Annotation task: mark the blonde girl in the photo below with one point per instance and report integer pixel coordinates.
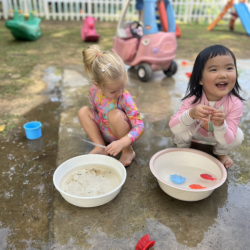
(113, 117)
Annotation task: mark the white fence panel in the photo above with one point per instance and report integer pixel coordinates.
(3, 10)
(110, 10)
(181, 8)
(201, 10)
(24, 6)
(104, 10)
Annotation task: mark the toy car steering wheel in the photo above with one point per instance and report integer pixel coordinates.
(136, 29)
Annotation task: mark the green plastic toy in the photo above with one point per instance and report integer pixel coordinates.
(24, 30)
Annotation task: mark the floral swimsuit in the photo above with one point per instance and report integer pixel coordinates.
(101, 107)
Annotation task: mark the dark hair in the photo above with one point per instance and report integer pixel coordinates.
(194, 88)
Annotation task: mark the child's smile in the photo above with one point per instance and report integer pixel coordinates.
(219, 77)
(221, 85)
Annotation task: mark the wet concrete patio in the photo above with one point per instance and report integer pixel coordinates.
(35, 216)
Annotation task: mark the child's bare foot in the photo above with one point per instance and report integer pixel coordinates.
(225, 160)
(127, 156)
(99, 151)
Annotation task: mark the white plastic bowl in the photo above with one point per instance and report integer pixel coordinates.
(180, 158)
(86, 160)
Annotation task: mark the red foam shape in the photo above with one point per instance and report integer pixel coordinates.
(144, 243)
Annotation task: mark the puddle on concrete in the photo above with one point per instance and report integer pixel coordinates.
(53, 77)
(197, 224)
(27, 167)
(217, 222)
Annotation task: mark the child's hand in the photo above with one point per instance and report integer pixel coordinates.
(114, 147)
(201, 112)
(218, 117)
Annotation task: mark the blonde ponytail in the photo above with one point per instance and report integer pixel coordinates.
(104, 67)
(89, 56)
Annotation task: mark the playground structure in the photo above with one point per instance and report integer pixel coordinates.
(147, 45)
(162, 19)
(241, 11)
(24, 30)
(88, 31)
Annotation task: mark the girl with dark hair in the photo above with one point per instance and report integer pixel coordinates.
(212, 107)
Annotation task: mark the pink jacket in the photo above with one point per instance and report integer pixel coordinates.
(225, 134)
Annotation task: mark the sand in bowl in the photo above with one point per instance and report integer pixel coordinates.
(90, 180)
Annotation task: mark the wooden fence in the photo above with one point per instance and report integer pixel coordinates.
(110, 10)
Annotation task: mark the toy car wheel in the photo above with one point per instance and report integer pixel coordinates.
(144, 72)
(172, 69)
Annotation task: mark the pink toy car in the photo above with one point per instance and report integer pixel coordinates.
(88, 31)
(145, 47)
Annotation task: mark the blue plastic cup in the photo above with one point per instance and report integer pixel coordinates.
(33, 130)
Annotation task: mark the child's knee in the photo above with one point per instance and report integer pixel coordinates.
(182, 140)
(239, 138)
(115, 116)
(84, 111)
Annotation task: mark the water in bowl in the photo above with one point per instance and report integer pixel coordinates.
(192, 175)
(90, 180)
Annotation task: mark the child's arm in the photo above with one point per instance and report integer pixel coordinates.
(226, 133)
(187, 115)
(129, 106)
(92, 93)
(181, 121)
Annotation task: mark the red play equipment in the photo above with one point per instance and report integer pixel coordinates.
(164, 18)
(178, 31)
(240, 11)
(88, 31)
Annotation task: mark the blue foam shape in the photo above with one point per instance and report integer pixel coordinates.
(177, 179)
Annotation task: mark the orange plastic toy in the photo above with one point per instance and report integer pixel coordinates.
(228, 6)
(234, 15)
(184, 63)
(164, 19)
(178, 31)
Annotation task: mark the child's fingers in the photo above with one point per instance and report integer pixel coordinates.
(112, 153)
(217, 120)
(202, 115)
(115, 153)
(204, 119)
(218, 112)
(217, 116)
(208, 108)
(205, 112)
(109, 149)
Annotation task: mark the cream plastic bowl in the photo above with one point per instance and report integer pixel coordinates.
(78, 161)
(178, 161)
